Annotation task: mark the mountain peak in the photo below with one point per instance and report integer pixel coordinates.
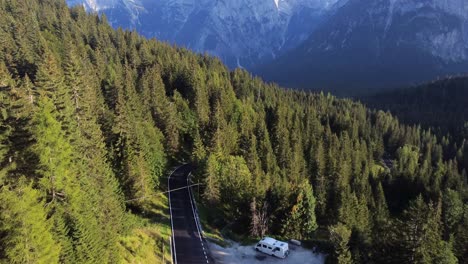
(277, 3)
(94, 5)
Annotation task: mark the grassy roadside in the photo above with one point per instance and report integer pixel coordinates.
(217, 231)
(213, 227)
(148, 241)
(210, 232)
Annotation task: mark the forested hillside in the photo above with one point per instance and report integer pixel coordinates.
(91, 117)
(441, 104)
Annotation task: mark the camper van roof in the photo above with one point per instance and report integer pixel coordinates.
(269, 240)
(274, 242)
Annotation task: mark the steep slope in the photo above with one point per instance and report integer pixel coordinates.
(378, 44)
(241, 33)
(440, 104)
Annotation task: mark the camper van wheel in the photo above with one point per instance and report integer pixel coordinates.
(257, 249)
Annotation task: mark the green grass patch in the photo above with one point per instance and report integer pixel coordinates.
(148, 239)
(217, 230)
(210, 231)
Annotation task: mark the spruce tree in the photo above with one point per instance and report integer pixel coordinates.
(340, 235)
(301, 221)
(212, 183)
(26, 231)
(53, 151)
(461, 236)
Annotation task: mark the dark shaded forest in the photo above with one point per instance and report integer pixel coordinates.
(440, 105)
(91, 118)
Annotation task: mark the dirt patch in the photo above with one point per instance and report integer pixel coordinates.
(236, 254)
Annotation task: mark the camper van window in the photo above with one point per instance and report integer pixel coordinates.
(259, 245)
(277, 249)
(264, 246)
(269, 248)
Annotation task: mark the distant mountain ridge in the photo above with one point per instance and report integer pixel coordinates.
(379, 44)
(242, 32)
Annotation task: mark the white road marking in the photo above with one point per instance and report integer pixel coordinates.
(170, 211)
(195, 217)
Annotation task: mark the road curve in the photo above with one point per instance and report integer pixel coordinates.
(188, 245)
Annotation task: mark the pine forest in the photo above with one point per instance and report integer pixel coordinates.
(92, 119)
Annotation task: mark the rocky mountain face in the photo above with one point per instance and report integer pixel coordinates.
(379, 44)
(241, 32)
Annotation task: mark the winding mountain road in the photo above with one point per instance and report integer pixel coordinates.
(188, 244)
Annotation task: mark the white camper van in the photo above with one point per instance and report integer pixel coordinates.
(273, 247)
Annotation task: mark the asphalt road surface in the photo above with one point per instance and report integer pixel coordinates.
(188, 245)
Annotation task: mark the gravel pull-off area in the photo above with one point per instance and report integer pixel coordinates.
(237, 254)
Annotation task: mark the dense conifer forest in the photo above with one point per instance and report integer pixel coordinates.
(92, 118)
(440, 105)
